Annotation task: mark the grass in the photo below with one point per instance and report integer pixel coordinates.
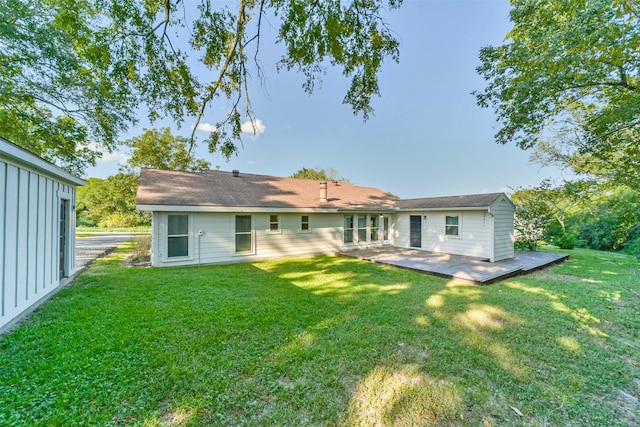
(329, 341)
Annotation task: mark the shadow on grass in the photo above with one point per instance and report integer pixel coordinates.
(306, 342)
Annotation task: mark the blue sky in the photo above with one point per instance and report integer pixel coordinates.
(427, 136)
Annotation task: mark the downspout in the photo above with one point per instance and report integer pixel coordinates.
(492, 237)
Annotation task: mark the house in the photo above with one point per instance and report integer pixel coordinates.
(479, 225)
(37, 225)
(222, 217)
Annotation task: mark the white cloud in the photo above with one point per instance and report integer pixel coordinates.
(114, 157)
(256, 128)
(107, 165)
(206, 127)
(108, 158)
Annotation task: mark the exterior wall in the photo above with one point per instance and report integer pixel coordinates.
(30, 236)
(216, 243)
(474, 228)
(503, 213)
(211, 236)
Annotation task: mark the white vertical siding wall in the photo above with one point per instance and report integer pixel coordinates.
(474, 239)
(216, 244)
(503, 212)
(29, 237)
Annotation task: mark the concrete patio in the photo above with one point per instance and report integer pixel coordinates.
(460, 268)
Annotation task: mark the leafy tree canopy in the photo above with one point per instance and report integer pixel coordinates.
(159, 149)
(110, 202)
(73, 73)
(567, 76)
(319, 174)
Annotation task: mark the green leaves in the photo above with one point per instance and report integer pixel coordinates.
(74, 73)
(565, 59)
(159, 149)
(58, 97)
(353, 36)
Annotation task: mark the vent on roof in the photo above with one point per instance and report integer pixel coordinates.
(323, 191)
(235, 172)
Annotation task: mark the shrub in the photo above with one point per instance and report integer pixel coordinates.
(565, 241)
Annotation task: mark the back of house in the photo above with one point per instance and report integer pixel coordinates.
(222, 217)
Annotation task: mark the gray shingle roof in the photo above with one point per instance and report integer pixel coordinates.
(468, 201)
(222, 189)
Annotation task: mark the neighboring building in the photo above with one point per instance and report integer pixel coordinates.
(37, 230)
(222, 217)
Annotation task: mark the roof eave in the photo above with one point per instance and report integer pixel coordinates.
(445, 208)
(26, 158)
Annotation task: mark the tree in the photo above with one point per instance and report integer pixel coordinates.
(532, 217)
(567, 76)
(110, 202)
(319, 174)
(609, 220)
(73, 73)
(61, 95)
(160, 149)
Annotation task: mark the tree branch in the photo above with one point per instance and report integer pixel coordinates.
(231, 53)
(165, 21)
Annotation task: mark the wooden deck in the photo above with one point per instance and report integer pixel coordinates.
(460, 268)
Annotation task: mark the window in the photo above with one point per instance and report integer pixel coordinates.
(348, 229)
(304, 223)
(362, 228)
(244, 240)
(177, 236)
(274, 223)
(375, 221)
(452, 227)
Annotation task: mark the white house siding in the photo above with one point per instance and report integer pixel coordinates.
(216, 244)
(474, 239)
(29, 234)
(503, 212)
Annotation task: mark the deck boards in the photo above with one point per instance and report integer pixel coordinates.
(461, 268)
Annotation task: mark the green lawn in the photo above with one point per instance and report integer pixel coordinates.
(329, 341)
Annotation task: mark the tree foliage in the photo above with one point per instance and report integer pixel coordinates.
(532, 217)
(110, 202)
(73, 73)
(59, 89)
(159, 149)
(319, 174)
(579, 214)
(567, 76)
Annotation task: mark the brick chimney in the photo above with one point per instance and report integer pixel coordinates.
(323, 191)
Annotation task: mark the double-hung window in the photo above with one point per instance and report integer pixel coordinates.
(348, 229)
(244, 237)
(177, 236)
(362, 228)
(274, 223)
(304, 223)
(452, 226)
